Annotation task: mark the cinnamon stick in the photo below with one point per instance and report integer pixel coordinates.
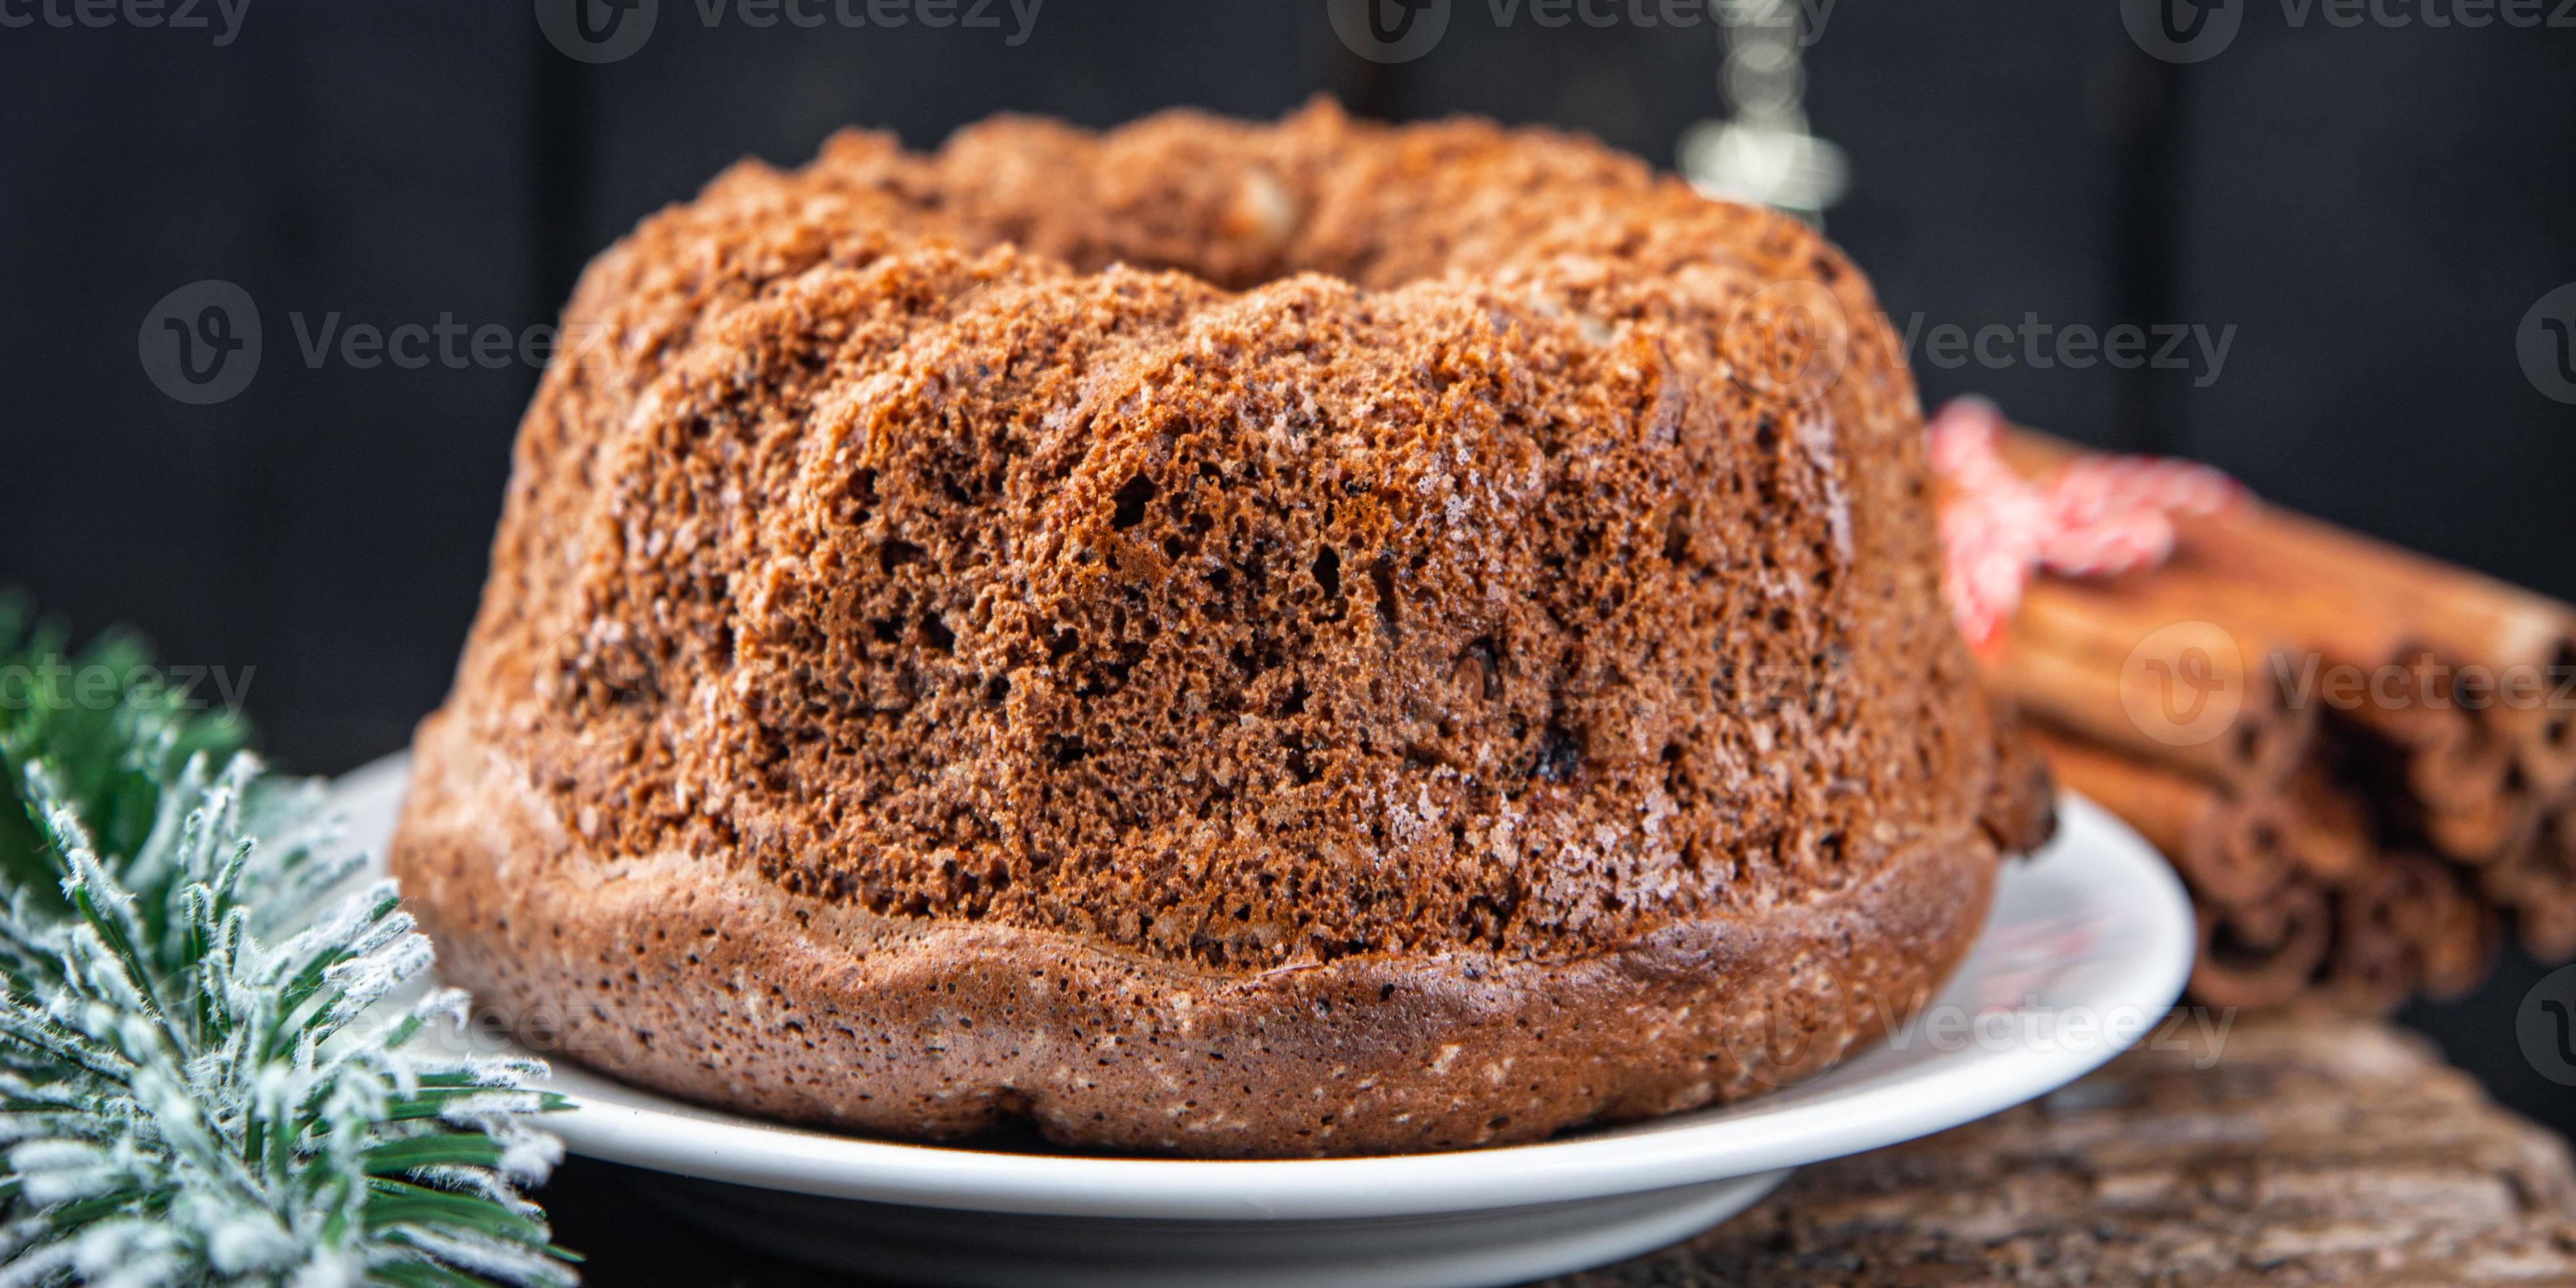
(2264, 954)
(2374, 966)
(2461, 935)
(2325, 826)
(2164, 681)
(2227, 853)
(2361, 603)
(2454, 758)
(2360, 760)
(2408, 923)
(2290, 888)
(2538, 885)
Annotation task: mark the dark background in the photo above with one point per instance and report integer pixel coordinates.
(2374, 209)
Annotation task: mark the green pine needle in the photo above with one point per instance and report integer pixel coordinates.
(201, 1080)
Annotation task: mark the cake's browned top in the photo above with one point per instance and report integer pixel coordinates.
(1503, 566)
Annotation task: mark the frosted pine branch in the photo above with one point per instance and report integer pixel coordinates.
(199, 1083)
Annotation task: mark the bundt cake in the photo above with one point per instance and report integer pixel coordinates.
(1214, 639)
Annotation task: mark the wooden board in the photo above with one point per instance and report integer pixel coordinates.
(2302, 1151)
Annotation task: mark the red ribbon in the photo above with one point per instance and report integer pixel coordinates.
(2093, 517)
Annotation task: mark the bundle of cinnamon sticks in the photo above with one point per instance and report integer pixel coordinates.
(2362, 761)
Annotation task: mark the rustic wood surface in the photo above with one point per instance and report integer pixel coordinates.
(2311, 1151)
(2300, 1150)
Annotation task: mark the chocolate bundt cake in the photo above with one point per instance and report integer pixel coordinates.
(1214, 639)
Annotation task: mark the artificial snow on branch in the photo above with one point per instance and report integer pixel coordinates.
(201, 1080)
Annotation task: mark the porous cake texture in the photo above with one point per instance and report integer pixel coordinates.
(1215, 639)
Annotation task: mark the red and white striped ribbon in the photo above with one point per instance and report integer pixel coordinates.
(2096, 516)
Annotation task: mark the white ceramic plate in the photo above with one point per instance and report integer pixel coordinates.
(2086, 949)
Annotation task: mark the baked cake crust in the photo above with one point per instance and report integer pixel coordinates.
(1462, 660)
(673, 972)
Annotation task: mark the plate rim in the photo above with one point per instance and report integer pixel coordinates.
(666, 1134)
